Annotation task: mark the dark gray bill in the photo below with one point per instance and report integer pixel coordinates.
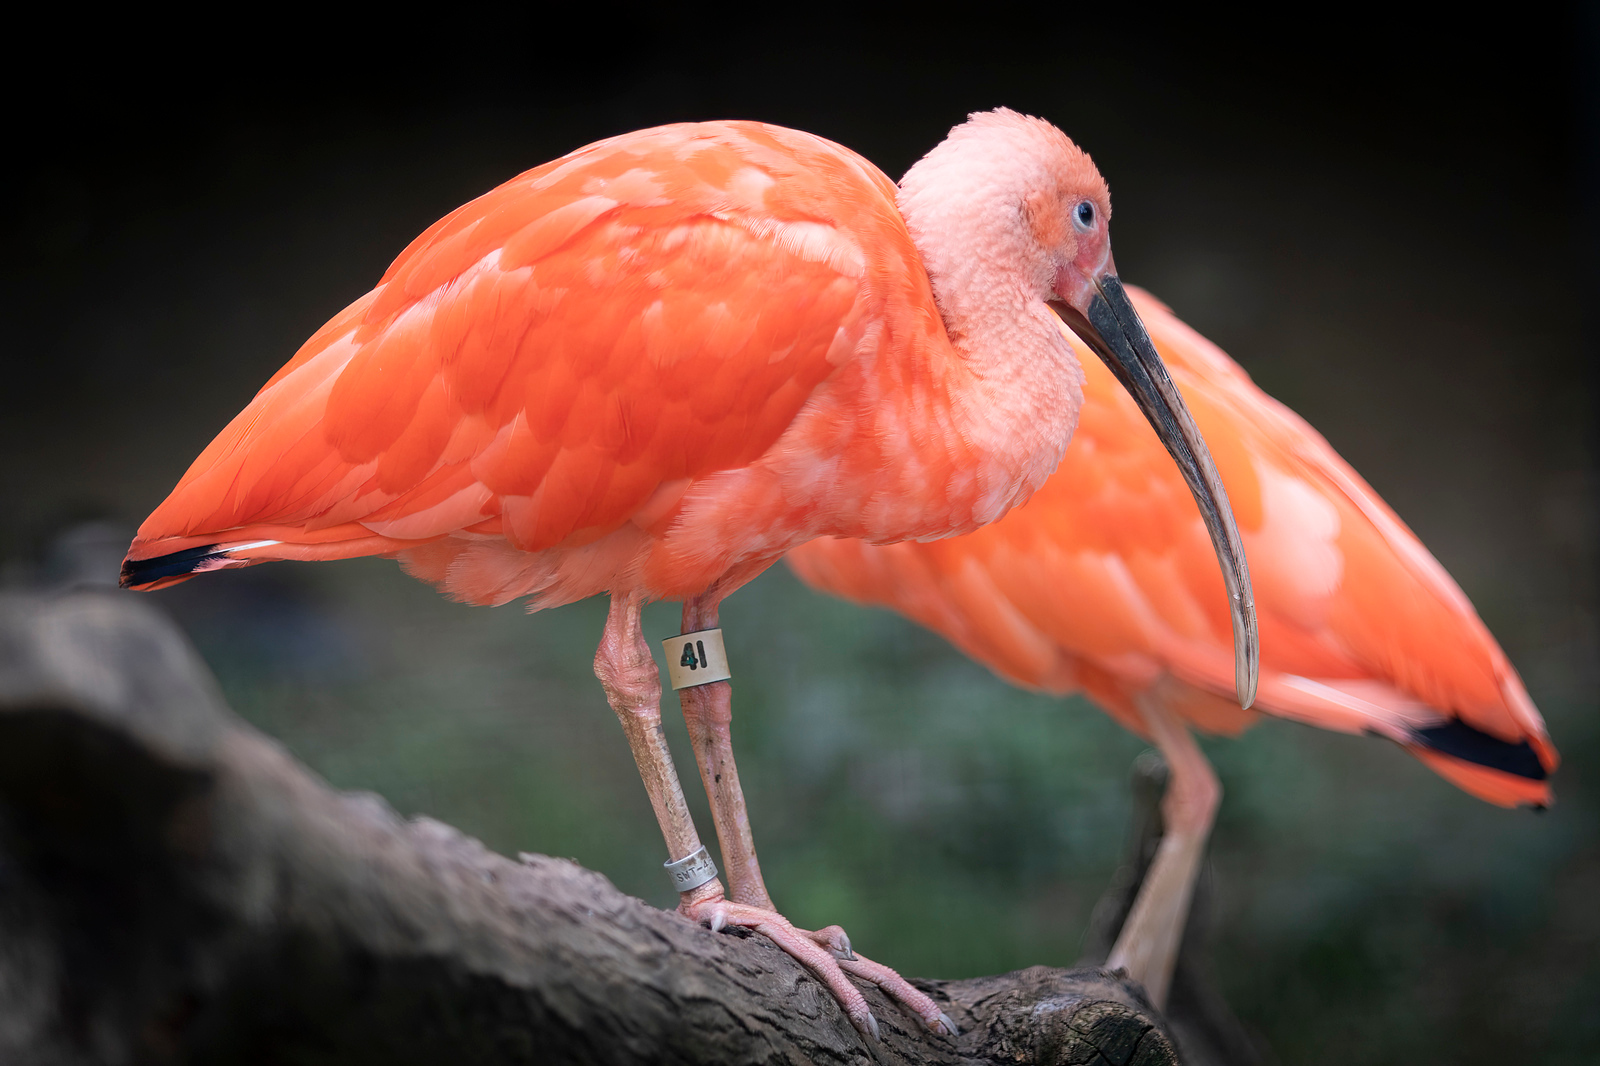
(1114, 331)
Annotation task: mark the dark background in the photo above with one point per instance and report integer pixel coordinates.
(1389, 220)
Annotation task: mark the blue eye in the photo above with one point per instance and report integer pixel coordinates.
(1084, 215)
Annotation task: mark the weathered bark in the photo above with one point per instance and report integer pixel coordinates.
(175, 888)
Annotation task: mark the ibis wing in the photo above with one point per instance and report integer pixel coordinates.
(1345, 571)
(540, 361)
(1105, 580)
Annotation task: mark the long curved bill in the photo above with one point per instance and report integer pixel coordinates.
(1113, 329)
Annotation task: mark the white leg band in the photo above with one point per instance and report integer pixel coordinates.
(691, 871)
(696, 658)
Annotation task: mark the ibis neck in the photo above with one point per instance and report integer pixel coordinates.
(1023, 382)
(1026, 390)
(1024, 377)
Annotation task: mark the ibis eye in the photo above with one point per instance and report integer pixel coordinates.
(1084, 216)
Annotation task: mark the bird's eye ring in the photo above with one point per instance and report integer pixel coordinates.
(1083, 217)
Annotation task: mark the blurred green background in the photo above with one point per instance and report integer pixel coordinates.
(1393, 232)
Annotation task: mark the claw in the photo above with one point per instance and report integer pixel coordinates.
(828, 954)
(949, 1026)
(837, 941)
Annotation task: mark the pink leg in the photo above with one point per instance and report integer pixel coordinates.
(1147, 946)
(627, 671)
(708, 712)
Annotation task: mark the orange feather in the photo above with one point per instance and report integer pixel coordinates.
(1106, 582)
(600, 375)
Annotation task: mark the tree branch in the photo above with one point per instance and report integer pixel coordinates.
(174, 887)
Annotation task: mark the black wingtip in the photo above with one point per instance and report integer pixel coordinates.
(1460, 740)
(140, 572)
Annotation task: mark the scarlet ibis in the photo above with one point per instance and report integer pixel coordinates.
(653, 366)
(1102, 583)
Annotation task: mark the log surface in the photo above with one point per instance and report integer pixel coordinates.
(174, 887)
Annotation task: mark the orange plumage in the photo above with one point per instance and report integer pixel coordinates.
(601, 375)
(1105, 582)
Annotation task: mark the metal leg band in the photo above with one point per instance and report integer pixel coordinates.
(691, 871)
(696, 658)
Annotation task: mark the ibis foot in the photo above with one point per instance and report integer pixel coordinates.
(827, 953)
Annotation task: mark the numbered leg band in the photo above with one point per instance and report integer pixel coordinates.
(691, 871)
(696, 658)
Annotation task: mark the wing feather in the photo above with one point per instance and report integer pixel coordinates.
(542, 360)
(1361, 628)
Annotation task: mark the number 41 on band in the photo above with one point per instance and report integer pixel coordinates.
(696, 658)
(689, 659)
